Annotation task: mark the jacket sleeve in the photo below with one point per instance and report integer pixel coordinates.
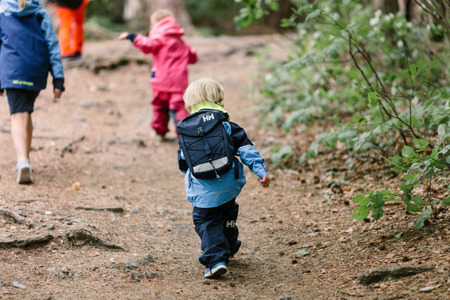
(248, 153)
(146, 44)
(192, 56)
(53, 49)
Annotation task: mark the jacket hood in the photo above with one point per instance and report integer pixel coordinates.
(11, 7)
(167, 26)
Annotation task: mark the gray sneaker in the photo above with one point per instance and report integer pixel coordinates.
(24, 172)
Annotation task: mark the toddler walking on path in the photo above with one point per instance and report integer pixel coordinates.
(169, 75)
(214, 199)
(29, 49)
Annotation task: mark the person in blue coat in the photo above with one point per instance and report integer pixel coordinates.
(29, 50)
(214, 201)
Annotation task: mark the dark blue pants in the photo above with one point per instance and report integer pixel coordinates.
(217, 229)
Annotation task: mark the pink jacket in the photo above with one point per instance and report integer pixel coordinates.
(170, 55)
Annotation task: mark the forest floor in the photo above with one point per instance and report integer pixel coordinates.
(93, 149)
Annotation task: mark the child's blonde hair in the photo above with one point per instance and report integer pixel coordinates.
(159, 14)
(203, 90)
(22, 3)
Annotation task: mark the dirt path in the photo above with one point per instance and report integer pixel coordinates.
(93, 149)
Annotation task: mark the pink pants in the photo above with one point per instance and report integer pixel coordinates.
(163, 105)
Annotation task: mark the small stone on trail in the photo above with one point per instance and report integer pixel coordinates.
(152, 275)
(137, 276)
(207, 282)
(294, 261)
(232, 284)
(19, 285)
(93, 268)
(149, 258)
(284, 298)
(428, 289)
(131, 264)
(291, 243)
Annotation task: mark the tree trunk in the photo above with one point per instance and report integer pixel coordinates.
(386, 6)
(137, 12)
(176, 6)
(135, 15)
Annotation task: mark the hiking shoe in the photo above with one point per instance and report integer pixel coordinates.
(216, 271)
(24, 172)
(75, 56)
(208, 273)
(159, 138)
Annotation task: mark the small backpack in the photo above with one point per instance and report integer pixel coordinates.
(207, 147)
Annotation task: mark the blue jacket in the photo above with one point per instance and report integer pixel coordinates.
(207, 193)
(29, 47)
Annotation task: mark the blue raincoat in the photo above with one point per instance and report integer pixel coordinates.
(207, 193)
(29, 47)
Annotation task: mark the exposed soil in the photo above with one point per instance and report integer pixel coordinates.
(93, 149)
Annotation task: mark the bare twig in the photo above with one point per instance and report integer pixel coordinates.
(112, 209)
(69, 147)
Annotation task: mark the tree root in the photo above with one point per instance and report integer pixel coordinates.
(30, 243)
(392, 273)
(83, 235)
(13, 215)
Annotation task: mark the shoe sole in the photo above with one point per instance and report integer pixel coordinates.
(24, 175)
(218, 272)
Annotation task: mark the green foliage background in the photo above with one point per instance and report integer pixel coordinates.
(381, 80)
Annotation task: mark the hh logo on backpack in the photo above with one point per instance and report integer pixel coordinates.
(207, 147)
(207, 118)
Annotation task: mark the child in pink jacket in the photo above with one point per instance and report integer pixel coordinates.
(169, 77)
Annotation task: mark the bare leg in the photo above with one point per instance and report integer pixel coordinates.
(21, 132)
(29, 135)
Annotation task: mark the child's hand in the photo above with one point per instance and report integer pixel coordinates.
(57, 94)
(123, 36)
(265, 181)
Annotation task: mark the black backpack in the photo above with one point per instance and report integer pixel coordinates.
(207, 147)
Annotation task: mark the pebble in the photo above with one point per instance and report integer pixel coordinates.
(207, 282)
(19, 285)
(151, 275)
(149, 258)
(131, 264)
(135, 275)
(93, 268)
(428, 289)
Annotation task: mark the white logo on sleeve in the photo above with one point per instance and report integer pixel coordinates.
(230, 223)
